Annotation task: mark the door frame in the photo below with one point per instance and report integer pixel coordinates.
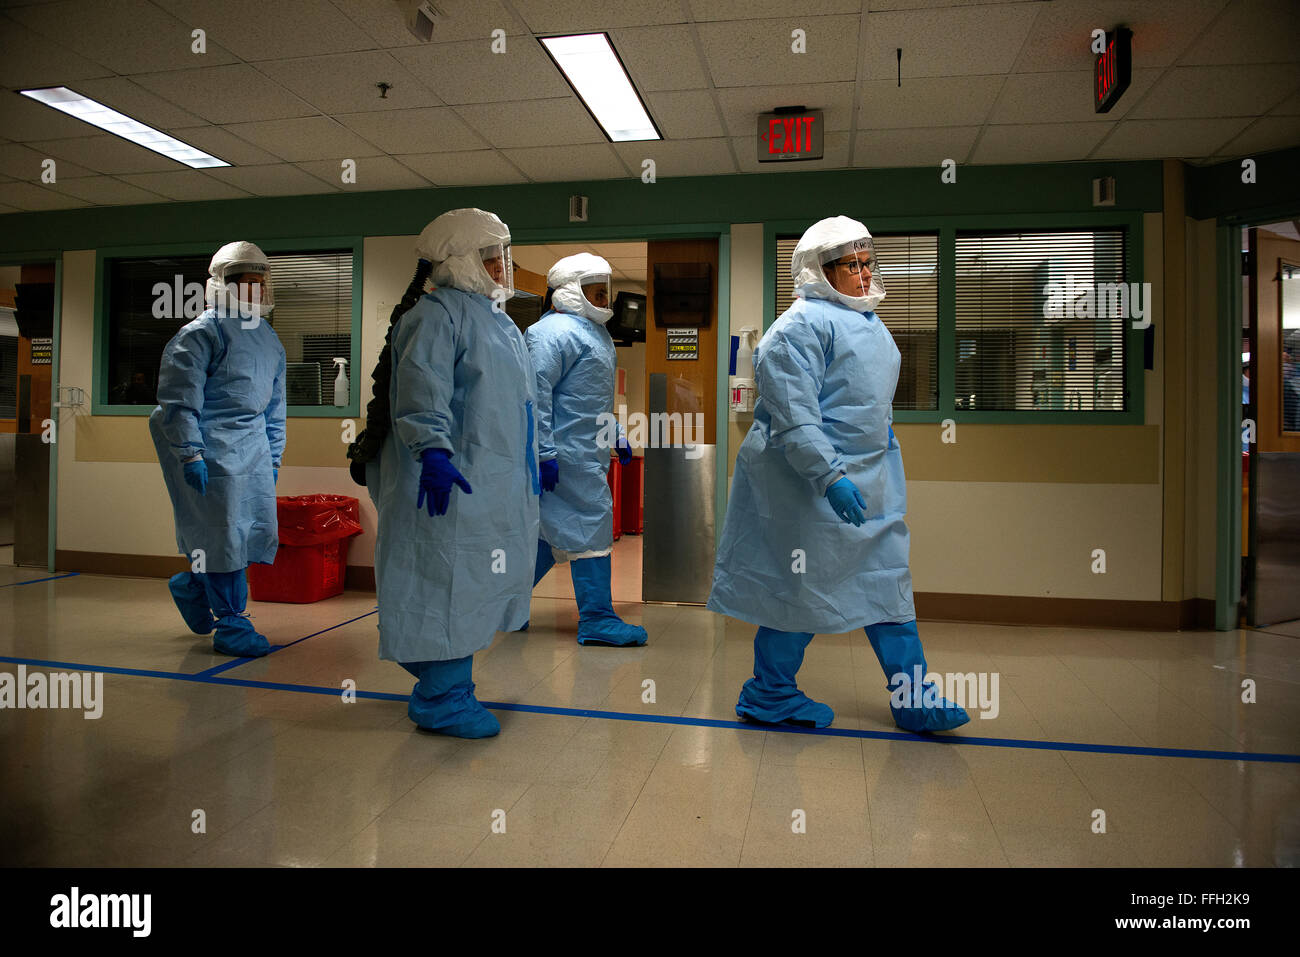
(1227, 466)
(631, 233)
(41, 257)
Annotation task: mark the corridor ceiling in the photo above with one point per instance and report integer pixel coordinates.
(288, 89)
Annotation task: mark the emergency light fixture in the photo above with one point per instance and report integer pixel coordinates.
(119, 124)
(593, 69)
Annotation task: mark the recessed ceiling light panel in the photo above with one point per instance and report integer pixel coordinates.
(119, 124)
(594, 70)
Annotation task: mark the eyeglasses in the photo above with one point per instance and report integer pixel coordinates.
(854, 266)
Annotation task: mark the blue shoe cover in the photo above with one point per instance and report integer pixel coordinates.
(944, 717)
(771, 696)
(797, 709)
(597, 623)
(192, 601)
(898, 648)
(466, 718)
(524, 626)
(237, 637)
(443, 700)
(611, 631)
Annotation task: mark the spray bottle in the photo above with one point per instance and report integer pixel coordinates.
(341, 383)
(742, 383)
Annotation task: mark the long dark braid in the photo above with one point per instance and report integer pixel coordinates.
(378, 412)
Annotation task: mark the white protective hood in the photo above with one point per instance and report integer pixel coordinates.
(569, 275)
(235, 259)
(457, 243)
(824, 242)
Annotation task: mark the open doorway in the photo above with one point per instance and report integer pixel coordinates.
(1271, 401)
(627, 262)
(27, 316)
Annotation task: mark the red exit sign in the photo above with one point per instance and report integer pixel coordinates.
(786, 135)
(1113, 71)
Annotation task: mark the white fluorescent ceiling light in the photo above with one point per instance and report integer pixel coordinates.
(119, 124)
(596, 74)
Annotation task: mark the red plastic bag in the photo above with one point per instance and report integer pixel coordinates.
(317, 519)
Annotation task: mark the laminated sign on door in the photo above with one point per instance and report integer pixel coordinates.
(684, 343)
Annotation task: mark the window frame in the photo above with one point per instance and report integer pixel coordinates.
(947, 227)
(99, 404)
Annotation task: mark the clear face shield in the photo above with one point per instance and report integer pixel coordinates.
(498, 266)
(596, 289)
(249, 285)
(852, 269)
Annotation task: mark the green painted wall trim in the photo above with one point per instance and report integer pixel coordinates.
(947, 346)
(52, 534)
(750, 197)
(99, 404)
(947, 228)
(1217, 191)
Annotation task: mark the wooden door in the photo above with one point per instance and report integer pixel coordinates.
(692, 383)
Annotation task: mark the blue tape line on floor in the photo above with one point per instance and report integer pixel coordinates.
(200, 678)
(218, 669)
(37, 581)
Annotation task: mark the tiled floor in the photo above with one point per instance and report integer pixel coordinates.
(251, 767)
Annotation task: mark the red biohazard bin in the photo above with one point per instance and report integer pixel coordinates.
(633, 481)
(311, 562)
(615, 479)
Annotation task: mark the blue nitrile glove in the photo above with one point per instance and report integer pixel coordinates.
(437, 476)
(847, 501)
(196, 475)
(275, 475)
(624, 451)
(550, 474)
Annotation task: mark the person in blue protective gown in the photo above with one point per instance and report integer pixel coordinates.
(219, 432)
(573, 354)
(814, 538)
(456, 479)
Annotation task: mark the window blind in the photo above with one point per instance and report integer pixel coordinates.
(1040, 320)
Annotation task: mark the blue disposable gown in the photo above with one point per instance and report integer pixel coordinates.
(575, 362)
(462, 381)
(826, 376)
(221, 393)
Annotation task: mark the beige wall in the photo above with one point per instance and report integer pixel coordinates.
(1006, 510)
(1018, 510)
(111, 492)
